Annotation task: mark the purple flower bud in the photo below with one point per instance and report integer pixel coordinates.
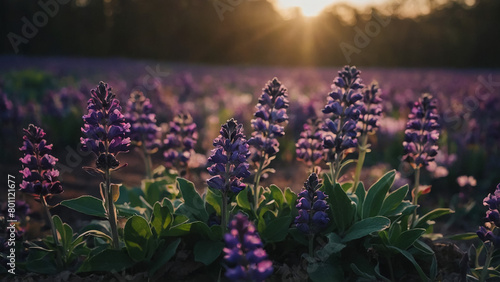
(270, 114)
(39, 173)
(181, 139)
(244, 254)
(228, 172)
(312, 207)
(105, 129)
(422, 133)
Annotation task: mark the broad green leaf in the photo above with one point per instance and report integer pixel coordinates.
(376, 195)
(423, 221)
(127, 210)
(342, 208)
(161, 259)
(214, 198)
(346, 186)
(334, 246)
(362, 274)
(298, 236)
(242, 200)
(290, 196)
(277, 195)
(179, 226)
(324, 271)
(464, 236)
(44, 265)
(137, 234)
(87, 205)
(410, 257)
(365, 227)
(407, 238)
(193, 203)
(276, 229)
(206, 251)
(423, 247)
(394, 199)
(361, 194)
(154, 189)
(108, 260)
(161, 219)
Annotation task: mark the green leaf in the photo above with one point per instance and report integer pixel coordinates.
(423, 221)
(361, 194)
(362, 274)
(179, 226)
(342, 208)
(206, 251)
(127, 210)
(410, 257)
(277, 195)
(323, 271)
(423, 247)
(108, 260)
(407, 238)
(44, 265)
(161, 219)
(394, 199)
(464, 236)
(242, 199)
(87, 205)
(193, 206)
(276, 229)
(137, 234)
(298, 236)
(290, 196)
(334, 246)
(161, 259)
(214, 198)
(365, 227)
(376, 195)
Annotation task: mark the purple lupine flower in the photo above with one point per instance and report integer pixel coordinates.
(371, 111)
(39, 173)
(180, 141)
(344, 104)
(142, 119)
(229, 159)
(269, 117)
(487, 235)
(105, 129)
(309, 147)
(312, 207)
(422, 132)
(492, 201)
(245, 257)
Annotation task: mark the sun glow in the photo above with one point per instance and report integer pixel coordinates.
(312, 8)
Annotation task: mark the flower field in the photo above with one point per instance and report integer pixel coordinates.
(152, 171)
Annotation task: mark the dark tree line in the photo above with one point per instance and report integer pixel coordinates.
(251, 32)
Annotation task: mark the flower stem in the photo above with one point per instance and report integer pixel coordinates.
(415, 194)
(311, 245)
(111, 211)
(256, 191)
(147, 159)
(224, 212)
(489, 254)
(361, 161)
(53, 229)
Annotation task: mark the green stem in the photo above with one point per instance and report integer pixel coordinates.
(311, 245)
(361, 161)
(111, 211)
(391, 269)
(256, 191)
(224, 213)
(489, 254)
(147, 160)
(415, 192)
(53, 229)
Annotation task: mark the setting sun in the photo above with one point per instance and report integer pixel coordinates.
(312, 8)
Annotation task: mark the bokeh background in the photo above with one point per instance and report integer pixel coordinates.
(211, 58)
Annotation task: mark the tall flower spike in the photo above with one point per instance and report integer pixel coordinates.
(229, 159)
(105, 129)
(142, 119)
(422, 132)
(180, 141)
(39, 173)
(245, 257)
(492, 201)
(371, 110)
(340, 129)
(312, 207)
(309, 147)
(269, 117)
